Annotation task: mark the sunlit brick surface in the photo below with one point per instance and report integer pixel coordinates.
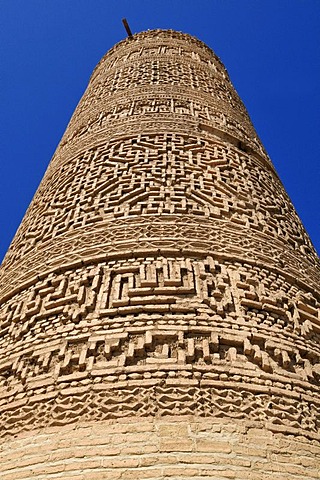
(160, 270)
(176, 448)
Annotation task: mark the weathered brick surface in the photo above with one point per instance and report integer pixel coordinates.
(197, 449)
(160, 270)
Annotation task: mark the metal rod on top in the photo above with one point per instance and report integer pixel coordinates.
(126, 26)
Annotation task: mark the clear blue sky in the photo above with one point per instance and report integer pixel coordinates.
(48, 49)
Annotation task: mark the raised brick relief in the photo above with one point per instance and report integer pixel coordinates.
(161, 268)
(174, 319)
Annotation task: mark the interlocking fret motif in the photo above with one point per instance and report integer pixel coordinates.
(160, 268)
(165, 174)
(206, 294)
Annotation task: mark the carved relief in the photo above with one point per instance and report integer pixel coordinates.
(161, 268)
(159, 175)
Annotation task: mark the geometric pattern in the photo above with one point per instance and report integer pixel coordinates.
(161, 268)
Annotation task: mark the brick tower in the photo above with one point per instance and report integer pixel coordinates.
(160, 300)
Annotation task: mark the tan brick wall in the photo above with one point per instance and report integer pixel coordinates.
(161, 269)
(175, 448)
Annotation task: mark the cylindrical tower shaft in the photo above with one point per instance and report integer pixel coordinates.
(160, 300)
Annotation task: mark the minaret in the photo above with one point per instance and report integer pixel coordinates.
(160, 301)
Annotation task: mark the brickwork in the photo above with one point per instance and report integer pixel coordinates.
(175, 448)
(161, 270)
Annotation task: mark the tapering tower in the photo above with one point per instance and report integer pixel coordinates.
(160, 300)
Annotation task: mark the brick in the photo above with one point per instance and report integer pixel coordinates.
(82, 464)
(176, 446)
(121, 462)
(150, 474)
(221, 473)
(180, 471)
(146, 461)
(214, 446)
(250, 451)
(138, 449)
(16, 475)
(48, 469)
(104, 475)
(175, 430)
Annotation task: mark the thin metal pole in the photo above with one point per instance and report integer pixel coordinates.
(126, 26)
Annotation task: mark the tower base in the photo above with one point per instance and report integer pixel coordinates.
(174, 447)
